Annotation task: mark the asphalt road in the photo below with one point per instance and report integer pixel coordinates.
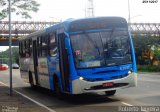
(147, 93)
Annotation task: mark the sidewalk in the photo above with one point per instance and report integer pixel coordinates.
(16, 102)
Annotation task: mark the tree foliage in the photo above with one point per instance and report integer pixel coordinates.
(19, 7)
(142, 43)
(156, 51)
(15, 55)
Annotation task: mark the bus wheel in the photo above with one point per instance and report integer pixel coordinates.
(31, 80)
(110, 93)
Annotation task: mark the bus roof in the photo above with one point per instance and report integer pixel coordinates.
(32, 34)
(73, 25)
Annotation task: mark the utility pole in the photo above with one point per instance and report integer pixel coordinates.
(10, 46)
(129, 15)
(89, 11)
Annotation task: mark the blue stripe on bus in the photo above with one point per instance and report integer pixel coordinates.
(133, 54)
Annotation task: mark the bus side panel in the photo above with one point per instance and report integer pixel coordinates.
(24, 65)
(31, 69)
(43, 73)
(53, 69)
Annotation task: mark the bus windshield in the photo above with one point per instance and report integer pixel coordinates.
(97, 49)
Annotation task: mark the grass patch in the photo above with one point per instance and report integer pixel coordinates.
(148, 68)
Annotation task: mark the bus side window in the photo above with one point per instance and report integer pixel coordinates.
(40, 46)
(27, 51)
(30, 47)
(53, 46)
(20, 47)
(23, 49)
(44, 45)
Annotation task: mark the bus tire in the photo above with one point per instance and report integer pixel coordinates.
(110, 93)
(31, 80)
(57, 90)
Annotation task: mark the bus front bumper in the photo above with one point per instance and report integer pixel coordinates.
(80, 86)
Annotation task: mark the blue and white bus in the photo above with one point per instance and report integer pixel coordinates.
(80, 56)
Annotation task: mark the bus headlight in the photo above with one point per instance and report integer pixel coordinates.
(81, 78)
(129, 72)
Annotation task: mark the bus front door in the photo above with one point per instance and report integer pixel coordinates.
(64, 62)
(35, 61)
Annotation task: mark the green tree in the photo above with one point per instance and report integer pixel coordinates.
(15, 55)
(142, 43)
(156, 51)
(19, 7)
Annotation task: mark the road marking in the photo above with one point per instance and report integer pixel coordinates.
(40, 104)
(3, 84)
(126, 104)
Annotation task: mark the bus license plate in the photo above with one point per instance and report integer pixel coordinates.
(108, 84)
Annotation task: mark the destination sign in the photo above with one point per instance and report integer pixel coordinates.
(98, 23)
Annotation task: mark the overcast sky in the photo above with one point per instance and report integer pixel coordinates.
(63, 9)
